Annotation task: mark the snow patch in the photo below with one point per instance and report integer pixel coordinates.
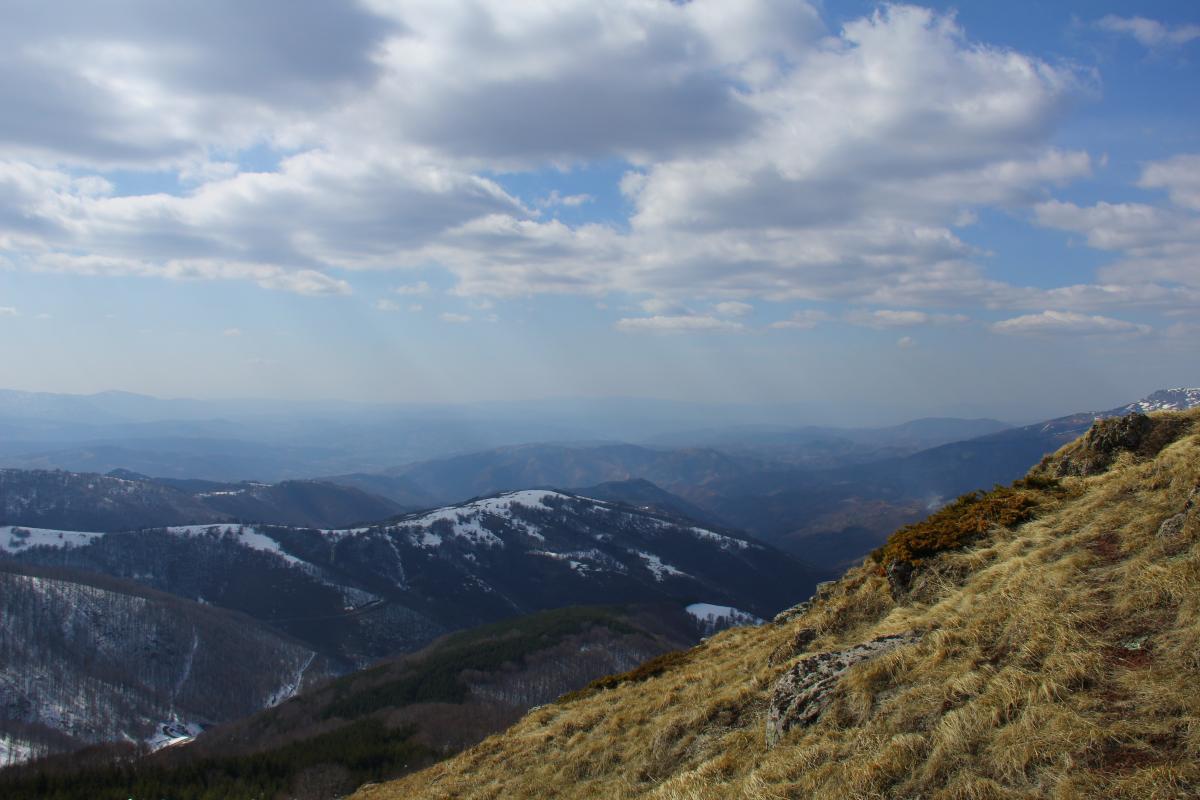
(16, 751)
(19, 538)
(169, 734)
(465, 522)
(657, 566)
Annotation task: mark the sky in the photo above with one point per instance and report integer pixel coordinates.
(972, 209)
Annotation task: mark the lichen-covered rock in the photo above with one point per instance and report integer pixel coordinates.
(1096, 451)
(1103, 441)
(1173, 526)
(807, 689)
(789, 614)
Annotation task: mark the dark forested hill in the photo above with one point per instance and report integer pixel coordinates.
(88, 658)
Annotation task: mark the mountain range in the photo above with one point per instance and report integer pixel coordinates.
(1049, 652)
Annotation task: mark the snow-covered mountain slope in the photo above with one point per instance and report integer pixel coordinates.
(356, 594)
(1180, 399)
(87, 659)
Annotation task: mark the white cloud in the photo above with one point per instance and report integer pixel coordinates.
(386, 305)
(570, 201)
(770, 158)
(454, 318)
(1069, 323)
(803, 320)
(1180, 176)
(420, 287)
(677, 324)
(906, 342)
(733, 308)
(889, 318)
(121, 83)
(8, 311)
(1150, 33)
(232, 332)
(867, 149)
(1160, 245)
(662, 307)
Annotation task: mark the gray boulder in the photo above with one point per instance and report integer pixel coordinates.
(807, 689)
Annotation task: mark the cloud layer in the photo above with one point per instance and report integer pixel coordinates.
(764, 156)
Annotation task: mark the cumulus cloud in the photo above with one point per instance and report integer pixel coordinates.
(420, 287)
(1150, 33)
(803, 320)
(889, 318)
(1180, 176)
(662, 306)
(129, 82)
(767, 156)
(733, 308)
(453, 318)
(865, 152)
(555, 199)
(906, 342)
(1069, 323)
(1160, 245)
(8, 311)
(677, 324)
(386, 305)
(232, 332)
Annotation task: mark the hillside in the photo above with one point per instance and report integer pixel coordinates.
(86, 659)
(363, 593)
(1036, 641)
(395, 717)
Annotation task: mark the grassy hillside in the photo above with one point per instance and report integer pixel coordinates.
(1037, 641)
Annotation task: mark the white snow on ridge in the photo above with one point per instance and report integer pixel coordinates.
(248, 537)
(1180, 399)
(18, 538)
(466, 520)
(660, 568)
(726, 542)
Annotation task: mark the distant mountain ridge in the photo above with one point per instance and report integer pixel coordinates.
(125, 500)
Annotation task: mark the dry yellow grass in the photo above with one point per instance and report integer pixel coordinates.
(1061, 660)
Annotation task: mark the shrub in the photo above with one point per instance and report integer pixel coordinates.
(957, 525)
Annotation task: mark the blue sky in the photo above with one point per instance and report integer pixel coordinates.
(977, 208)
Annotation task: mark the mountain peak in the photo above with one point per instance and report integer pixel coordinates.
(1178, 399)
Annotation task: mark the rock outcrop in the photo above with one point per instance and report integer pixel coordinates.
(807, 689)
(1173, 526)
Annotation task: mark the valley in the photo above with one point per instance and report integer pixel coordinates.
(352, 614)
